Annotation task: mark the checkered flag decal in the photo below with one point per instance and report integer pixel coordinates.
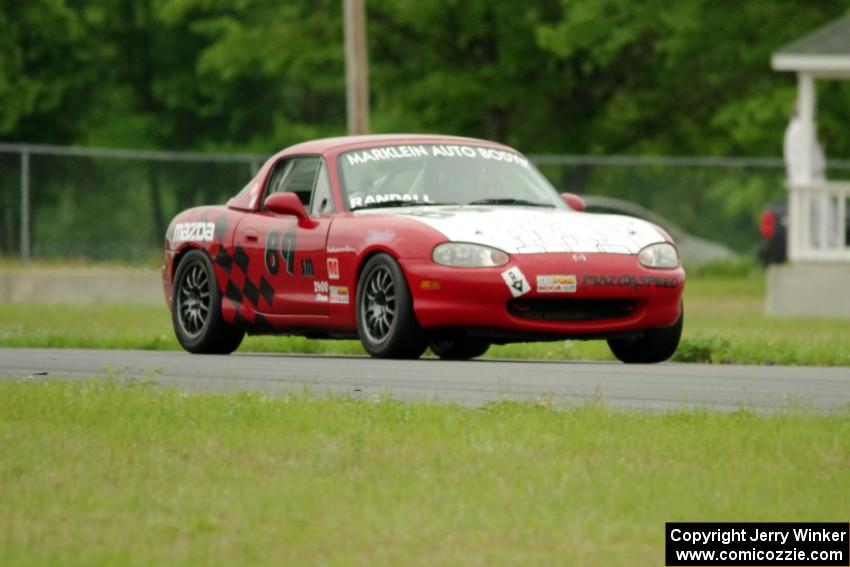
(244, 295)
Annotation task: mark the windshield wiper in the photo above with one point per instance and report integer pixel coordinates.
(399, 203)
(510, 201)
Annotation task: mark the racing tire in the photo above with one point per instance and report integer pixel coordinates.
(196, 308)
(656, 345)
(459, 349)
(385, 320)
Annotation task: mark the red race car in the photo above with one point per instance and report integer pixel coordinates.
(411, 241)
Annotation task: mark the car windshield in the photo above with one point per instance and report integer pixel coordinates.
(391, 176)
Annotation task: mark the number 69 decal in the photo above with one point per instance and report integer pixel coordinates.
(280, 249)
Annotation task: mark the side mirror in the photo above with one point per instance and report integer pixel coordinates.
(573, 201)
(289, 204)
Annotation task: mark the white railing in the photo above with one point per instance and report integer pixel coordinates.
(817, 221)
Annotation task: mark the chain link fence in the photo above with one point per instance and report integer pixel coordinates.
(102, 204)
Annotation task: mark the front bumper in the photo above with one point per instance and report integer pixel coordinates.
(613, 296)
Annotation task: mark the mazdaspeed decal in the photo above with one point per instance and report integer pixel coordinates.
(516, 281)
(193, 232)
(629, 280)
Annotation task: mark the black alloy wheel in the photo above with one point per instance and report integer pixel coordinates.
(196, 308)
(385, 320)
(193, 300)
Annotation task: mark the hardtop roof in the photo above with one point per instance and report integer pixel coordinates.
(342, 143)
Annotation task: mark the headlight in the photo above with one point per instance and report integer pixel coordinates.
(463, 255)
(661, 255)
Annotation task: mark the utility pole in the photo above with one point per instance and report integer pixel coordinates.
(25, 205)
(356, 67)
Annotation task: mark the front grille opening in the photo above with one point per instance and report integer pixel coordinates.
(571, 309)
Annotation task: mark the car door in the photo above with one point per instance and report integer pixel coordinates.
(291, 259)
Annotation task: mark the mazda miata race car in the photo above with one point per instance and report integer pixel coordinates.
(411, 241)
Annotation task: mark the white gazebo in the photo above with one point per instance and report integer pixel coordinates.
(814, 282)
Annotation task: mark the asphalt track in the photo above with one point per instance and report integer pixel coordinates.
(656, 387)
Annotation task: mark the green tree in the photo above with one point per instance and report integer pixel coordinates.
(547, 76)
(42, 49)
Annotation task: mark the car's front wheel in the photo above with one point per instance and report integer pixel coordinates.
(656, 345)
(385, 320)
(196, 308)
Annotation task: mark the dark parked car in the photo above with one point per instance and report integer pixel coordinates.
(774, 233)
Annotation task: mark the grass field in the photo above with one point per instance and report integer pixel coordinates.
(724, 323)
(101, 473)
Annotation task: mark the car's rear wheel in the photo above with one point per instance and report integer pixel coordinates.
(196, 308)
(385, 320)
(656, 345)
(459, 349)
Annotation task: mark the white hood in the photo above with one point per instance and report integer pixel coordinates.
(532, 230)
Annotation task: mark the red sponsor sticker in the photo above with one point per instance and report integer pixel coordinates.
(333, 269)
